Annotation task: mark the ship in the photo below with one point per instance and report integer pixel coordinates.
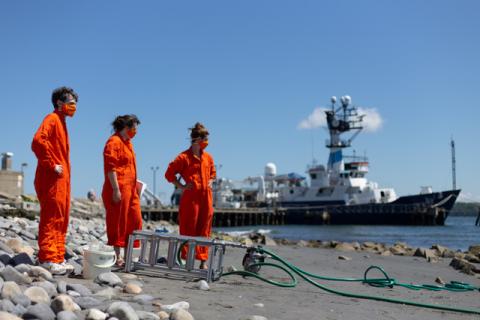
(339, 192)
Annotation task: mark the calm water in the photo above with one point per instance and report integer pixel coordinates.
(458, 233)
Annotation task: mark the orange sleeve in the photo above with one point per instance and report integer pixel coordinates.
(111, 155)
(41, 145)
(176, 166)
(213, 170)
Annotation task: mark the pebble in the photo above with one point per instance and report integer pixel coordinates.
(21, 299)
(181, 314)
(172, 307)
(10, 289)
(7, 305)
(64, 303)
(62, 287)
(37, 295)
(259, 305)
(144, 299)
(144, 315)
(11, 274)
(8, 316)
(39, 311)
(203, 285)
(87, 302)
(36, 271)
(81, 289)
(344, 258)
(255, 318)
(109, 278)
(66, 315)
(48, 286)
(108, 293)
(95, 314)
(132, 288)
(163, 315)
(122, 310)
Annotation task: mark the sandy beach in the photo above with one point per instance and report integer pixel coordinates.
(231, 297)
(234, 297)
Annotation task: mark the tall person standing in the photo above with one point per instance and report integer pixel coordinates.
(196, 167)
(52, 180)
(120, 196)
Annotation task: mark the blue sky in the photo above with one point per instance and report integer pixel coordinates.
(251, 71)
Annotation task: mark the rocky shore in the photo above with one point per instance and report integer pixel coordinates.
(30, 292)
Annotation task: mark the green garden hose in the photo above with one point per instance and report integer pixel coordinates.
(385, 282)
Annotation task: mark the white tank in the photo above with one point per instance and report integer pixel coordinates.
(270, 169)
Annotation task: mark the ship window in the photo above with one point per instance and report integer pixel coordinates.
(291, 191)
(313, 175)
(382, 194)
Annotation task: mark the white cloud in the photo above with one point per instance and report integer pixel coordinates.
(315, 120)
(371, 122)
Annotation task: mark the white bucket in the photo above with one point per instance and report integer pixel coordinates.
(97, 259)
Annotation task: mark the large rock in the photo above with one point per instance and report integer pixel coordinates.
(122, 311)
(39, 311)
(38, 295)
(87, 302)
(475, 250)
(15, 244)
(163, 315)
(345, 246)
(21, 299)
(108, 293)
(172, 307)
(464, 266)
(181, 314)
(39, 272)
(84, 291)
(7, 306)
(8, 316)
(48, 286)
(10, 289)
(10, 274)
(66, 315)
(95, 314)
(132, 288)
(64, 303)
(144, 315)
(425, 253)
(143, 299)
(109, 278)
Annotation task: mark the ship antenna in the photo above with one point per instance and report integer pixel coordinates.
(454, 171)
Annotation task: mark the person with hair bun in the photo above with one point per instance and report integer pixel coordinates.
(119, 194)
(196, 167)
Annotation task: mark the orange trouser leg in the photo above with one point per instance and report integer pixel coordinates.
(122, 218)
(195, 215)
(54, 213)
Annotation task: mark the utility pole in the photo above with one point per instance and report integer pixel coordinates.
(154, 171)
(454, 173)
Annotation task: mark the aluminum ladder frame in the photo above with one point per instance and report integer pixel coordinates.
(150, 242)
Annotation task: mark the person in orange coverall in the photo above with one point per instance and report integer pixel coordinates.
(195, 166)
(52, 181)
(120, 196)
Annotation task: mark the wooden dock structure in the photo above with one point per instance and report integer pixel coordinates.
(376, 214)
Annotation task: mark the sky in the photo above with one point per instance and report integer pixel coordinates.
(253, 72)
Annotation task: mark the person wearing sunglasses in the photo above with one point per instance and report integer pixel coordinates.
(52, 180)
(196, 167)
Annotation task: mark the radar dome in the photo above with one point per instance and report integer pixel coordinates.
(333, 99)
(346, 100)
(270, 169)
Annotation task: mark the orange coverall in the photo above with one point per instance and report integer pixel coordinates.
(125, 216)
(195, 213)
(51, 147)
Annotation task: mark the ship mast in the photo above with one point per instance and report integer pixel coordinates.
(341, 120)
(454, 171)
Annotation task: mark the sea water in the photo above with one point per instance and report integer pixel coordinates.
(459, 232)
